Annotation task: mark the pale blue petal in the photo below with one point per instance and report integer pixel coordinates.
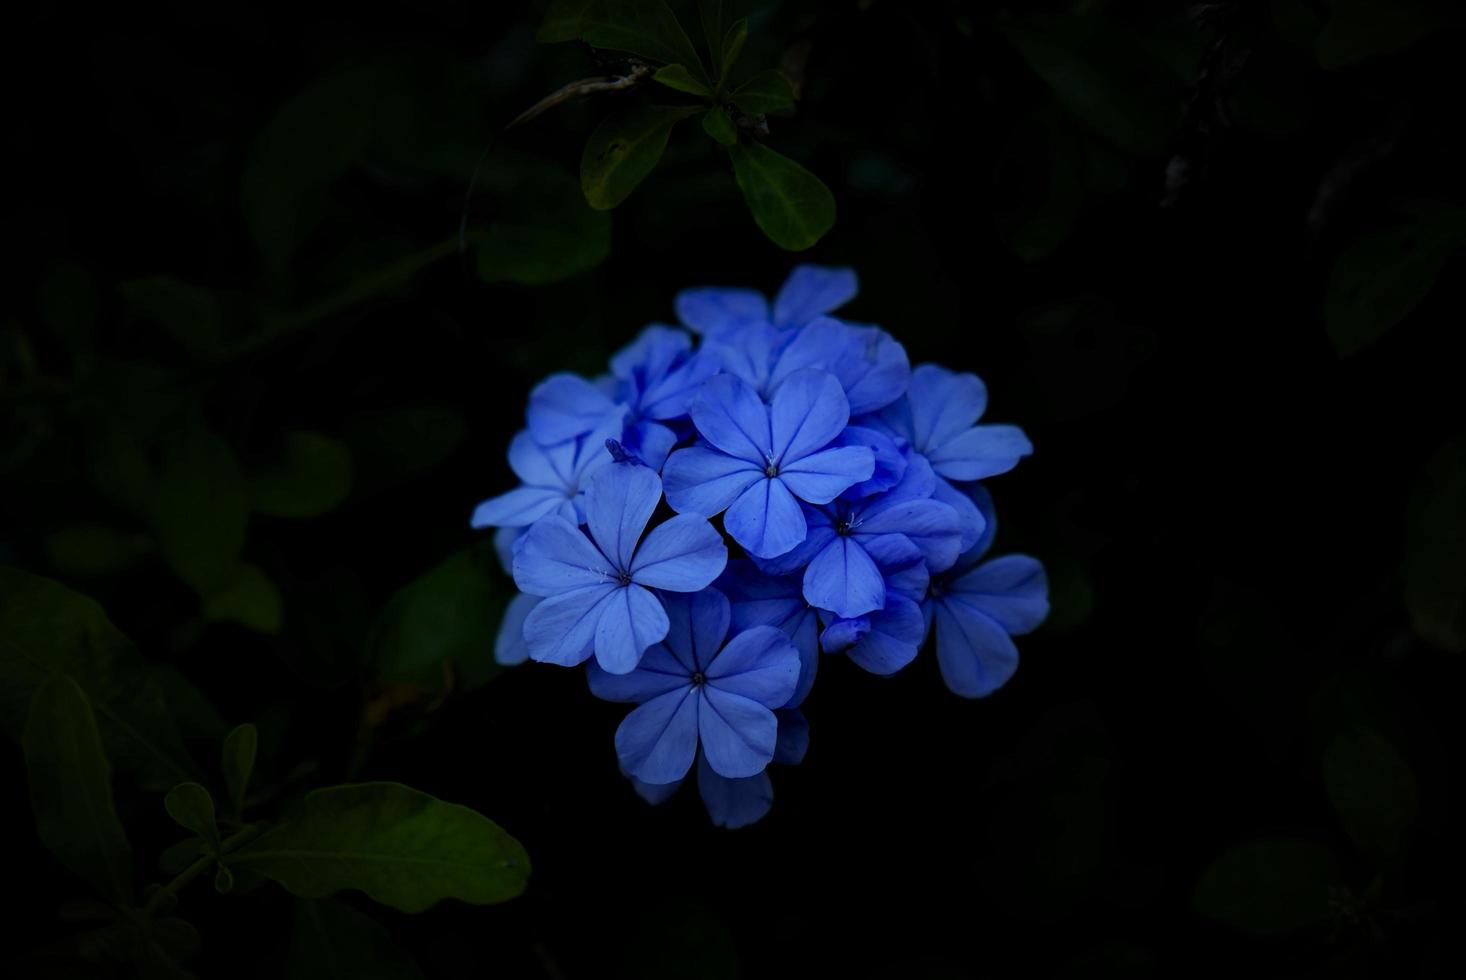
(931, 525)
(750, 353)
(654, 793)
(510, 647)
(682, 554)
(890, 461)
(730, 415)
(562, 629)
(733, 803)
(564, 406)
(812, 290)
(671, 395)
(808, 411)
(759, 664)
(820, 532)
(1012, 590)
(531, 462)
(703, 481)
(618, 503)
(556, 556)
(631, 621)
(793, 740)
(977, 529)
(738, 735)
(656, 743)
(659, 672)
(651, 355)
(896, 633)
(943, 404)
(517, 508)
(649, 442)
(699, 623)
(976, 655)
(842, 634)
(821, 477)
(844, 579)
(874, 369)
(766, 519)
(709, 310)
(980, 452)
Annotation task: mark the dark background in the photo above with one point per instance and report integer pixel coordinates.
(1135, 221)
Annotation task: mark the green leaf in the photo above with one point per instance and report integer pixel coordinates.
(250, 599)
(187, 313)
(47, 629)
(223, 879)
(311, 476)
(1435, 554)
(792, 206)
(768, 91)
(1358, 30)
(564, 20)
(678, 78)
(396, 444)
(192, 808)
(1382, 276)
(90, 549)
(624, 149)
(450, 613)
(543, 233)
(1038, 187)
(733, 43)
(332, 939)
(710, 13)
(201, 510)
(1373, 790)
(71, 790)
(241, 746)
(177, 857)
(644, 27)
(1269, 887)
(721, 128)
(401, 847)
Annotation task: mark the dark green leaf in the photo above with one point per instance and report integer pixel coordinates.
(1358, 30)
(792, 206)
(717, 124)
(1269, 887)
(192, 808)
(392, 445)
(332, 939)
(177, 857)
(401, 847)
(543, 233)
(623, 149)
(249, 599)
(644, 27)
(733, 43)
(69, 304)
(189, 314)
(1435, 557)
(241, 746)
(1382, 276)
(710, 13)
(768, 91)
(223, 879)
(90, 549)
(1038, 187)
(311, 476)
(449, 614)
(564, 20)
(678, 78)
(71, 790)
(47, 629)
(1373, 790)
(201, 510)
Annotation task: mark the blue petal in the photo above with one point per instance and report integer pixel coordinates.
(510, 647)
(975, 654)
(562, 629)
(738, 735)
(656, 743)
(820, 532)
(821, 477)
(890, 461)
(812, 290)
(564, 406)
(618, 503)
(671, 395)
(1012, 590)
(682, 554)
(750, 353)
(650, 442)
(506, 545)
(931, 525)
(556, 556)
(874, 370)
(709, 310)
(943, 404)
(808, 411)
(517, 508)
(842, 634)
(793, 740)
(759, 664)
(651, 355)
(804, 633)
(654, 793)
(844, 579)
(909, 578)
(896, 633)
(703, 481)
(531, 462)
(631, 621)
(766, 519)
(733, 803)
(659, 672)
(977, 529)
(699, 622)
(980, 452)
(729, 414)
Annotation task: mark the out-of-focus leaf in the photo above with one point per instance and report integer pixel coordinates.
(250, 599)
(563, 21)
(177, 857)
(1358, 30)
(201, 510)
(47, 629)
(543, 232)
(1382, 276)
(311, 477)
(71, 789)
(392, 445)
(91, 549)
(715, 123)
(678, 78)
(119, 468)
(1039, 187)
(1071, 596)
(1435, 556)
(332, 939)
(400, 846)
(237, 761)
(624, 149)
(450, 613)
(1373, 790)
(1269, 887)
(733, 43)
(768, 91)
(69, 304)
(644, 27)
(681, 939)
(791, 205)
(187, 313)
(192, 808)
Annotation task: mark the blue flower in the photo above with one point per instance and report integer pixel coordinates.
(597, 588)
(937, 418)
(657, 375)
(693, 690)
(510, 646)
(977, 607)
(887, 639)
(564, 406)
(810, 291)
(761, 460)
(766, 600)
(554, 478)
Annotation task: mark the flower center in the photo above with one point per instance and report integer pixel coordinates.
(699, 679)
(771, 467)
(623, 577)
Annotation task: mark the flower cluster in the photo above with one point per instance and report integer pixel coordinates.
(808, 490)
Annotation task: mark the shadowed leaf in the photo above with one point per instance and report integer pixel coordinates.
(1269, 887)
(791, 205)
(192, 808)
(332, 939)
(1373, 790)
(311, 476)
(768, 91)
(241, 746)
(1435, 556)
(623, 149)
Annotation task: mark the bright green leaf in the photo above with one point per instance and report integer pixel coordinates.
(71, 790)
(201, 510)
(449, 614)
(400, 846)
(715, 123)
(332, 939)
(1373, 790)
(624, 149)
(250, 599)
(192, 808)
(732, 43)
(241, 746)
(1269, 887)
(90, 549)
(792, 206)
(768, 91)
(188, 313)
(311, 476)
(678, 78)
(1383, 275)
(1435, 554)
